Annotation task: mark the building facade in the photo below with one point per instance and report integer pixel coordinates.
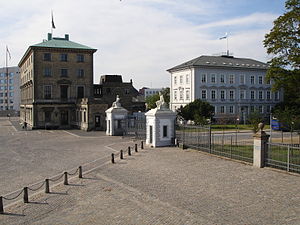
(234, 86)
(10, 89)
(57, 89)
(146, 92)
(56, 83)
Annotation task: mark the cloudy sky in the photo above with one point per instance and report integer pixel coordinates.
(141, 39)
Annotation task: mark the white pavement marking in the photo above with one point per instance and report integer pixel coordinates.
(75, 135)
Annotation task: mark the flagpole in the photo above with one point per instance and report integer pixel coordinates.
(227, 46)
(6, 64)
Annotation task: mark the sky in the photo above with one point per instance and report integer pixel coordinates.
(141, 39)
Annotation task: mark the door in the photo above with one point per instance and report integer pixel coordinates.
(151, 134)
(97, 122)
(64, 117)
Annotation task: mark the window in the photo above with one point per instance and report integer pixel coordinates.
(268, 81)
(11, 94)
(231, 110)
(64, 91)
(187, 94)
(47, 56)
(252, 80)
(181, 95)
(64, 57)
(47, 72)
(11, 81)
(80, 92)
(231, 79)
(84, 119)
(268, 95)
(222, 109)
(165, 131)
(213, 78)
(260, 95)
(260, 109)
(64, 72)
(47, 92)
(108, 91)
(268, 109)
(175, 95)
(127, 91)
(276, 95)
(203, 78)
(180, 79)
(242, 94)
(242, 79)
(80, 58)
(252, 108)
(48, 116)
(213, 94)
(203, 94)
(222, 78)
(175, 80)
(222, 95)
(231, 95)
(187, 79)
(260, 79)
(80, 73)
(11, 87)
(252, 95)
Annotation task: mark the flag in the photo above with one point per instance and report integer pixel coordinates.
(7, 52)
(224, 37)
(52, 21)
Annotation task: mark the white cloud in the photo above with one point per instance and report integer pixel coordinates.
(135, 38)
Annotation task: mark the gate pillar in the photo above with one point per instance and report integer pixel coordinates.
(260, 147)
(160, 125)
(116, 119)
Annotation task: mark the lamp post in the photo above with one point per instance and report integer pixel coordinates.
(236, 129)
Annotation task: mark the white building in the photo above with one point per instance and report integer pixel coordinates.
(150, 91)
(234, 86)
(10, 89)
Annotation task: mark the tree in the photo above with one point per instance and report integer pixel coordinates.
(283, 43)
(197, 111)
(254, 119)
(151, 100)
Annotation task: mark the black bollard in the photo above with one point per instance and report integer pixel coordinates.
(135, 148)
(1, 205)
(129, 151)
(66, 178)
(25, 196)
(121, 154)
(80, 172)
(47, 186)
(142, 145)
(112, 158)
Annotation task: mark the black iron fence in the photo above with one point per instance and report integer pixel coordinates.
(284, 157)
(135, 126)
(228, 144)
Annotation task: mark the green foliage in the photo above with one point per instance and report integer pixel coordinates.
(288, 116)
(254, 119)
(283, 43)
(151, 100)
(197, 111)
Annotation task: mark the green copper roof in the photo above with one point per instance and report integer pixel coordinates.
(61, 43)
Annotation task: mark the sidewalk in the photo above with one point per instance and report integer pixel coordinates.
(167, 186)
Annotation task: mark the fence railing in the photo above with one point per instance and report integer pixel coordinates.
(64, 177)
(284, 157)
(227, 144)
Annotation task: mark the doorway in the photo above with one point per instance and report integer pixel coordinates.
(97, 122)
(64, 117)
(151, 134)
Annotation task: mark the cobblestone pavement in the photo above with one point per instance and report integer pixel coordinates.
(167, 186)
(31, 156)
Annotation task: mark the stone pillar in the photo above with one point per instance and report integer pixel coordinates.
(260, 147)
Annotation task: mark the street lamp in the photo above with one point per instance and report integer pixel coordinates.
(236, 129)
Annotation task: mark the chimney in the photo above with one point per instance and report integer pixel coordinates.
(66, 37)
(49, 36)
(131, 81)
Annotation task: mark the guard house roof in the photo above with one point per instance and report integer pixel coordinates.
(221, 61)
